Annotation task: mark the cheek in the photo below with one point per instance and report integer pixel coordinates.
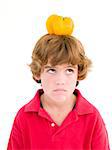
(72, 82)
(72, 78)
(46, 82)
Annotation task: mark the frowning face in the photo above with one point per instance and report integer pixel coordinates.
(59, 82)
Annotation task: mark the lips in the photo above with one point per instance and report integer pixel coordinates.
(63, 90)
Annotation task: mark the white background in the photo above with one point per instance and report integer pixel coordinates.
(22, 22)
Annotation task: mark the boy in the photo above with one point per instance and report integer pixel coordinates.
(58, 117)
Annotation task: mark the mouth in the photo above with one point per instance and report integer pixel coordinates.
(59, 90)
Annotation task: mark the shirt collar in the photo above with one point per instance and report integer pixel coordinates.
(34, 104)
(82, 105)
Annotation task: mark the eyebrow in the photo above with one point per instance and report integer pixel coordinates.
(47, 67)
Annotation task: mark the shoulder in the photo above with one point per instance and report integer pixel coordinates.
(21, 115)
(85, 108)
(29, 108)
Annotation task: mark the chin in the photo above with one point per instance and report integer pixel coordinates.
(60, 98)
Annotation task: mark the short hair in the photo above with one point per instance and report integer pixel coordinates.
(57, 50)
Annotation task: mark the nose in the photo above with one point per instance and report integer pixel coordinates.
(60, 79)
(59, 83)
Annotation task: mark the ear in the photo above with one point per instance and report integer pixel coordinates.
(36, 78)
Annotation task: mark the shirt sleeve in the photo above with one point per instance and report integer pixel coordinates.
(15, 140)
(100, 137)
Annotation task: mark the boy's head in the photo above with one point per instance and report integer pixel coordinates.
(57, 50)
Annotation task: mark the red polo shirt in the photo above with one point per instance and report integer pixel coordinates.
(82, 129)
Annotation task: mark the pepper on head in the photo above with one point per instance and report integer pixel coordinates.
(59, 25)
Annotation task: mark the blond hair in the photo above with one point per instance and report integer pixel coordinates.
(57, 50)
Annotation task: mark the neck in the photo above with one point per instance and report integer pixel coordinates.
(58, 106)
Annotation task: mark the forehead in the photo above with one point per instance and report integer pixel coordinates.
(62, 66)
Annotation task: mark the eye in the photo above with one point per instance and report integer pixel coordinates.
(51, 70)
(70, 71)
